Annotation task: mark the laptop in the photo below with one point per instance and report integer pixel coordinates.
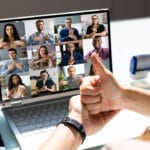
(43, 60)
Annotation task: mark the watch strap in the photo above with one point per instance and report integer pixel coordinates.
(76, 125)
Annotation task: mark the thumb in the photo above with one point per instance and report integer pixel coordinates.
(98, 65)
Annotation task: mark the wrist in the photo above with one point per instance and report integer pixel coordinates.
(125, 97)
(76, 127)
(75, 116)
(71, 135)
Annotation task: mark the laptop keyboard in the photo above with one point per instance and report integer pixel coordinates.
(39, 118)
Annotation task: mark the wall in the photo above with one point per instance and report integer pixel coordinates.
(120, 9)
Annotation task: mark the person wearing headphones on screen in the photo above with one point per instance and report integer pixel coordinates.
(101, 98)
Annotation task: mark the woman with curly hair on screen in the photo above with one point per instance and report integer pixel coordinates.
(11, 38)
(16, 88)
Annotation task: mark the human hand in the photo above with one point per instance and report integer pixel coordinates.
(94, 30)
(11, 66)
(36, 38)
(46, 38)
(71, 31)
(102, 92)
(19, 65)
(91, 123)
(20, 43)
(22, 91)
(44, 88)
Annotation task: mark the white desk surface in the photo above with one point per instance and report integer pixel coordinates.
(128, 38)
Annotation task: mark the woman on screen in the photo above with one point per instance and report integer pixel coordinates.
(11, 38)
(16, 88)
(95, 29)
(43, 59)
(72, 55)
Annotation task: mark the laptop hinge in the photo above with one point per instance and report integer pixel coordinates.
(16, 103)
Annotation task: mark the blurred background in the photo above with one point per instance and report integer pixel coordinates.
(120, 9)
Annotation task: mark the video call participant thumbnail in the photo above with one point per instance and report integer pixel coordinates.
(16, 88)
(11, 38)
(73, 80)
(45, 84)
(14, 65)
(97, 45)
(41, 36)
(69, 33)
(72, 55)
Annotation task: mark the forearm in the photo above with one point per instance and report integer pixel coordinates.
(64, 137)
(51, 89)
(104, 33)
(9, 94)
(137, 100)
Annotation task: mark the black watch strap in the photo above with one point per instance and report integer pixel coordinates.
(76, 125)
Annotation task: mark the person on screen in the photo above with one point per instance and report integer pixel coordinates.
(45, 84)
(16, 88)
(14, 65)
(102, 52)
(43, 59)
(72, 81)
(72, 55)
(41, 36)
(69, 33)
(11, 38)
(95, 29)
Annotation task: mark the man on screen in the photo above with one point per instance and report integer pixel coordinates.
(69, 33)
(45, 84)
(41, 36)
(102, 52)
(14, 65)
(72, 81)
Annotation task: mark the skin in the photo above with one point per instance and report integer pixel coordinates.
(44, 56)
(108, 94)
(12, 43)
(15, 81)
(95, 22)
(101, 98)
(44, 77)
(68, 25)
(71, 73)
(13, 55)
(97, 45)
(40, 27)
(71, 49)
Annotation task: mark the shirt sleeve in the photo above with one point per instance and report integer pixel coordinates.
(5, 69)
(30, 40)
(87, 56)
(63, 35)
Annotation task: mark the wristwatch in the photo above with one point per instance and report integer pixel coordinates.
(76, 125)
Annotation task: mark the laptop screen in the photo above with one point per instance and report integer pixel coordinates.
(49, 55)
